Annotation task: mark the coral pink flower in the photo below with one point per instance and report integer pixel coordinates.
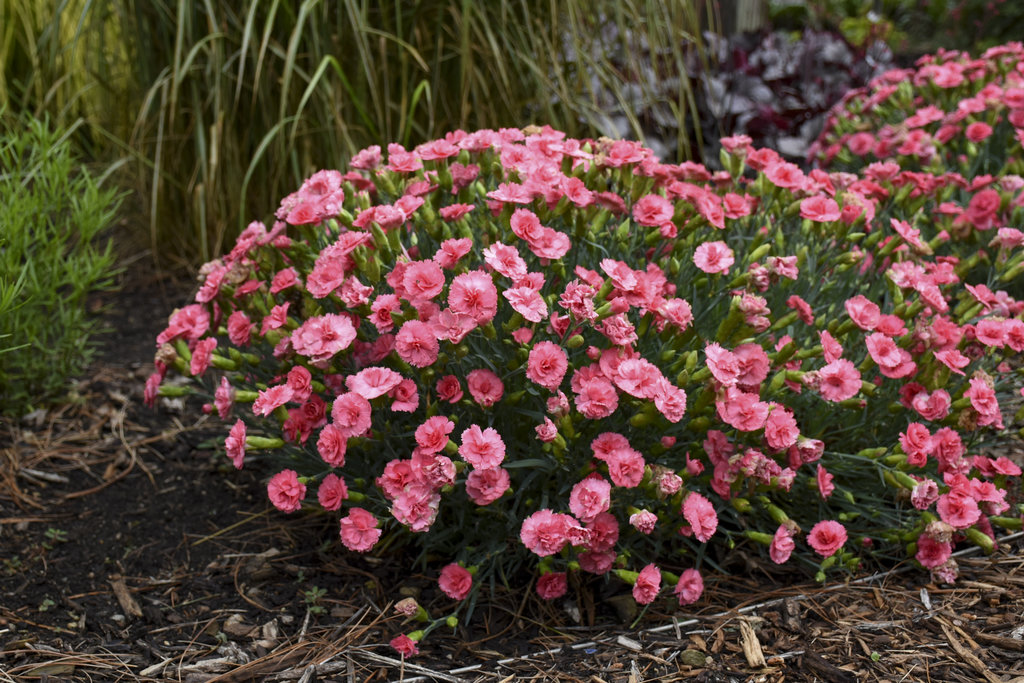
(269, 399)
(825, 486)
(320, 338)
(648, 583)
(190, 323)
(448, 389)
(474, 294)
(819, 209)
(224, 397)
(332, 445)
(596, 398)
(482, 448)
(603, 532)
(780, 428)
(839, 380)
(547, 365)
(742, 410)
(932, 553)
(506, 260)
(976, 132)
(527, 302)
(958, 509)
(827, 537)
(690, 587)
(626, 467)
(653, 210)
(432, 435)
(589, 498)
(404, 645)
(422, 280)
(924, 494)
(782, 544)
(416, 344)
(644, 521)
(235, 444)
(239, 328)
(552, 586)
(359, 530)
(713, 257)
(405, 397)
(863, 312)
(455, 581)
(544, 532)
(373, 382)
(983, 400)
(416, 506)
(286, 491)
(932, 406)
(917, 444)
(485, 387)
(332, 492)
(351, 414)
(701, 517)
(723, 364)
(487, 485)
(202, 353)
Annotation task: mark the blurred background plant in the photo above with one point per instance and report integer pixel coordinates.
(53, 258)
(220, 106)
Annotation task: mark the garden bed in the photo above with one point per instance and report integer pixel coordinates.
(128, 555)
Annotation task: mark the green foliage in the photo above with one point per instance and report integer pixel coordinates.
(52, 259)
(222, 105)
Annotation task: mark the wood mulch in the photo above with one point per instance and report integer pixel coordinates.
(130, 552)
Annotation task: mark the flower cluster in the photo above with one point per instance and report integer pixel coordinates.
(511, 344)
(951, 113)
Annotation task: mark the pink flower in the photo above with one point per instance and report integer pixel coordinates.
(432, 435)
(382, 308)
(202, 352)
(589, 498)
(373, 382)
(932, 553)
(690, 587)
(825, 486)
(527, 302)
(506, 260)
(547, 365)
(332, 445)
(404, 645)
(863, 312)
(320, 338)
(235, 444)
(782, 544)
(422, 281)
(713, 257)
(644, 521)
(701, 517)
(269, 399)
(839, 380)
(916, 443)
(224, 397)
(552, 586)
(474, 294)
(483, 449)
(596, 398)
(452, 250)
(448, 389)
(753, 365)
(723, 364)
(976, 132)
(626, 467)
(983, 400)
(647, 585)
(958, 509)
(780, 428)
(351, 414)
(416, 506)
(819, 209)
(359, 530)
(485, 387)
(826, 537)
(544, 532)
(484, 486)
(455, 581)
(653, 210)
(597, 562)
(416, 344)
(286, 491)
(934, 406)
(239, 328)
(924, 494)
(332, 492)
(742, 410)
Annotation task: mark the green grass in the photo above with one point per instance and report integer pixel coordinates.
(53, 258)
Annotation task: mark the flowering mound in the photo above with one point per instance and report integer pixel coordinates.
(951, 113)
(513, 347)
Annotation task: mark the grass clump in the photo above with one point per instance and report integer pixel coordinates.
(53, 256)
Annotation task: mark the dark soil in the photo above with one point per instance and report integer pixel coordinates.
(130, 550)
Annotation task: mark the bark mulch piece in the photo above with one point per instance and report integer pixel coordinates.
(131, 551)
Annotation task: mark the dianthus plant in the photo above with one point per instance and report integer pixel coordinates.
(953, 113)
(527, 352)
